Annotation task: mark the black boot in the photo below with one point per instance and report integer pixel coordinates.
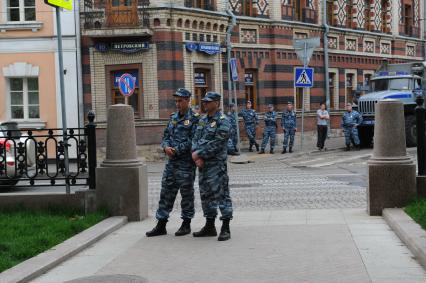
(348, 147)
(284, 150)
(358, 147)
(290, 149)
(209, 230)
(271, 151)
(159, 229)
(251, 148)
(262, 151)
(225, 233)
(257, 146)
(185, 228)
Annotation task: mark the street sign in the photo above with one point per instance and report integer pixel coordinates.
(305, 48)
(66, 4)
(234, 69)
(303, 77)
(127, 84)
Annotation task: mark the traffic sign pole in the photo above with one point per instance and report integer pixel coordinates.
(62, 88)
(305, 65)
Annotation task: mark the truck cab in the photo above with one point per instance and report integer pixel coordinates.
(404, 85)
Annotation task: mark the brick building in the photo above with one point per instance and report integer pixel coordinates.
(170, 44)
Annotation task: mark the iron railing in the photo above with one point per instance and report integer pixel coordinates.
(37, 157)
(98, 15)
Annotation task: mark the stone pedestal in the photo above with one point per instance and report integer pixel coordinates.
(391, 172)
(421, 186)
(121, 180)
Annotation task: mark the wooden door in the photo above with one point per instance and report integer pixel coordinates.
(202, 83)
(250, 80)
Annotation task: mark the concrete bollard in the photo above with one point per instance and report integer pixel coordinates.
(391, 172)
(121, 179)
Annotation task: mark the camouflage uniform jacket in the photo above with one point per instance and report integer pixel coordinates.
(351, 119)
(211, 138)
(289, 120)
(249, 116)
(179, 133)
(271, 119)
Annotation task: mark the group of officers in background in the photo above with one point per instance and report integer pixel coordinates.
(351, 119)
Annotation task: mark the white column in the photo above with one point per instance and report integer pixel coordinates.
(395, 17)
(275, 10)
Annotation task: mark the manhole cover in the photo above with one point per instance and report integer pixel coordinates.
(119, 278)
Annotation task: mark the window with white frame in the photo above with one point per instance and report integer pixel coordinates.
(21, 10)
(24, 98)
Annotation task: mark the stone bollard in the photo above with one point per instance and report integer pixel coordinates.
(121, 179)
(391, 172)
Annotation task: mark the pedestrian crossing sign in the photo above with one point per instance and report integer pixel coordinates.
(303, 77)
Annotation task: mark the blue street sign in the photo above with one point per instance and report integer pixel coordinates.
(234, 69)
(127, 84)
(303, 77)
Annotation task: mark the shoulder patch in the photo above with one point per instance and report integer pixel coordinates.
(222, 117)
(196, 114)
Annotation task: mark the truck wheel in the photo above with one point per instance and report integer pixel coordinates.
(366, 136)
(410, 131)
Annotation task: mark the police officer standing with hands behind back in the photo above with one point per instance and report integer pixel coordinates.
(288, 123)
(270, 130)
(250, 122)
(179, 173)
(209, 153)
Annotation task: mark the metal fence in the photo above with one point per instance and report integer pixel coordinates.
(37, 157)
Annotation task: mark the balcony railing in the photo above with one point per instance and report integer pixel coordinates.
(103, 17)
(205, 5)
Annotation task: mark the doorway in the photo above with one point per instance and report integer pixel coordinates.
(250, 81)
(202, 84)
(332, 88)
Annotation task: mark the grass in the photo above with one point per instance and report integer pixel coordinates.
(417, 211)
(27, 233)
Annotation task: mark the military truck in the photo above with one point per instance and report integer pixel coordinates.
(393, 81)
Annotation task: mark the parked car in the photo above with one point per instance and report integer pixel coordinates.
(9, 174)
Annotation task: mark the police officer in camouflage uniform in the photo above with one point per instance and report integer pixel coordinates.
(250, 122)
(270, 130)
(233, 139)
(288, 124)
(350, 122)
(209, 154)
(179, 173)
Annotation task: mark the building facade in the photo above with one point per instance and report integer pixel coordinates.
(29, 76)
(170, 44)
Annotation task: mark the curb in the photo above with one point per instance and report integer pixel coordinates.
(410, 233)
(36, 266)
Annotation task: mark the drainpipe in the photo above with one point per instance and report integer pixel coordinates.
(326, 32)
(79, 64)
(326, 74)
(231, 26)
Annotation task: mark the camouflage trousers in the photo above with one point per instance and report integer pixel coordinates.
(177, 176)
(214, 190)
(351, 134)
(289, 134)
(251, 133)
(269, 134)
